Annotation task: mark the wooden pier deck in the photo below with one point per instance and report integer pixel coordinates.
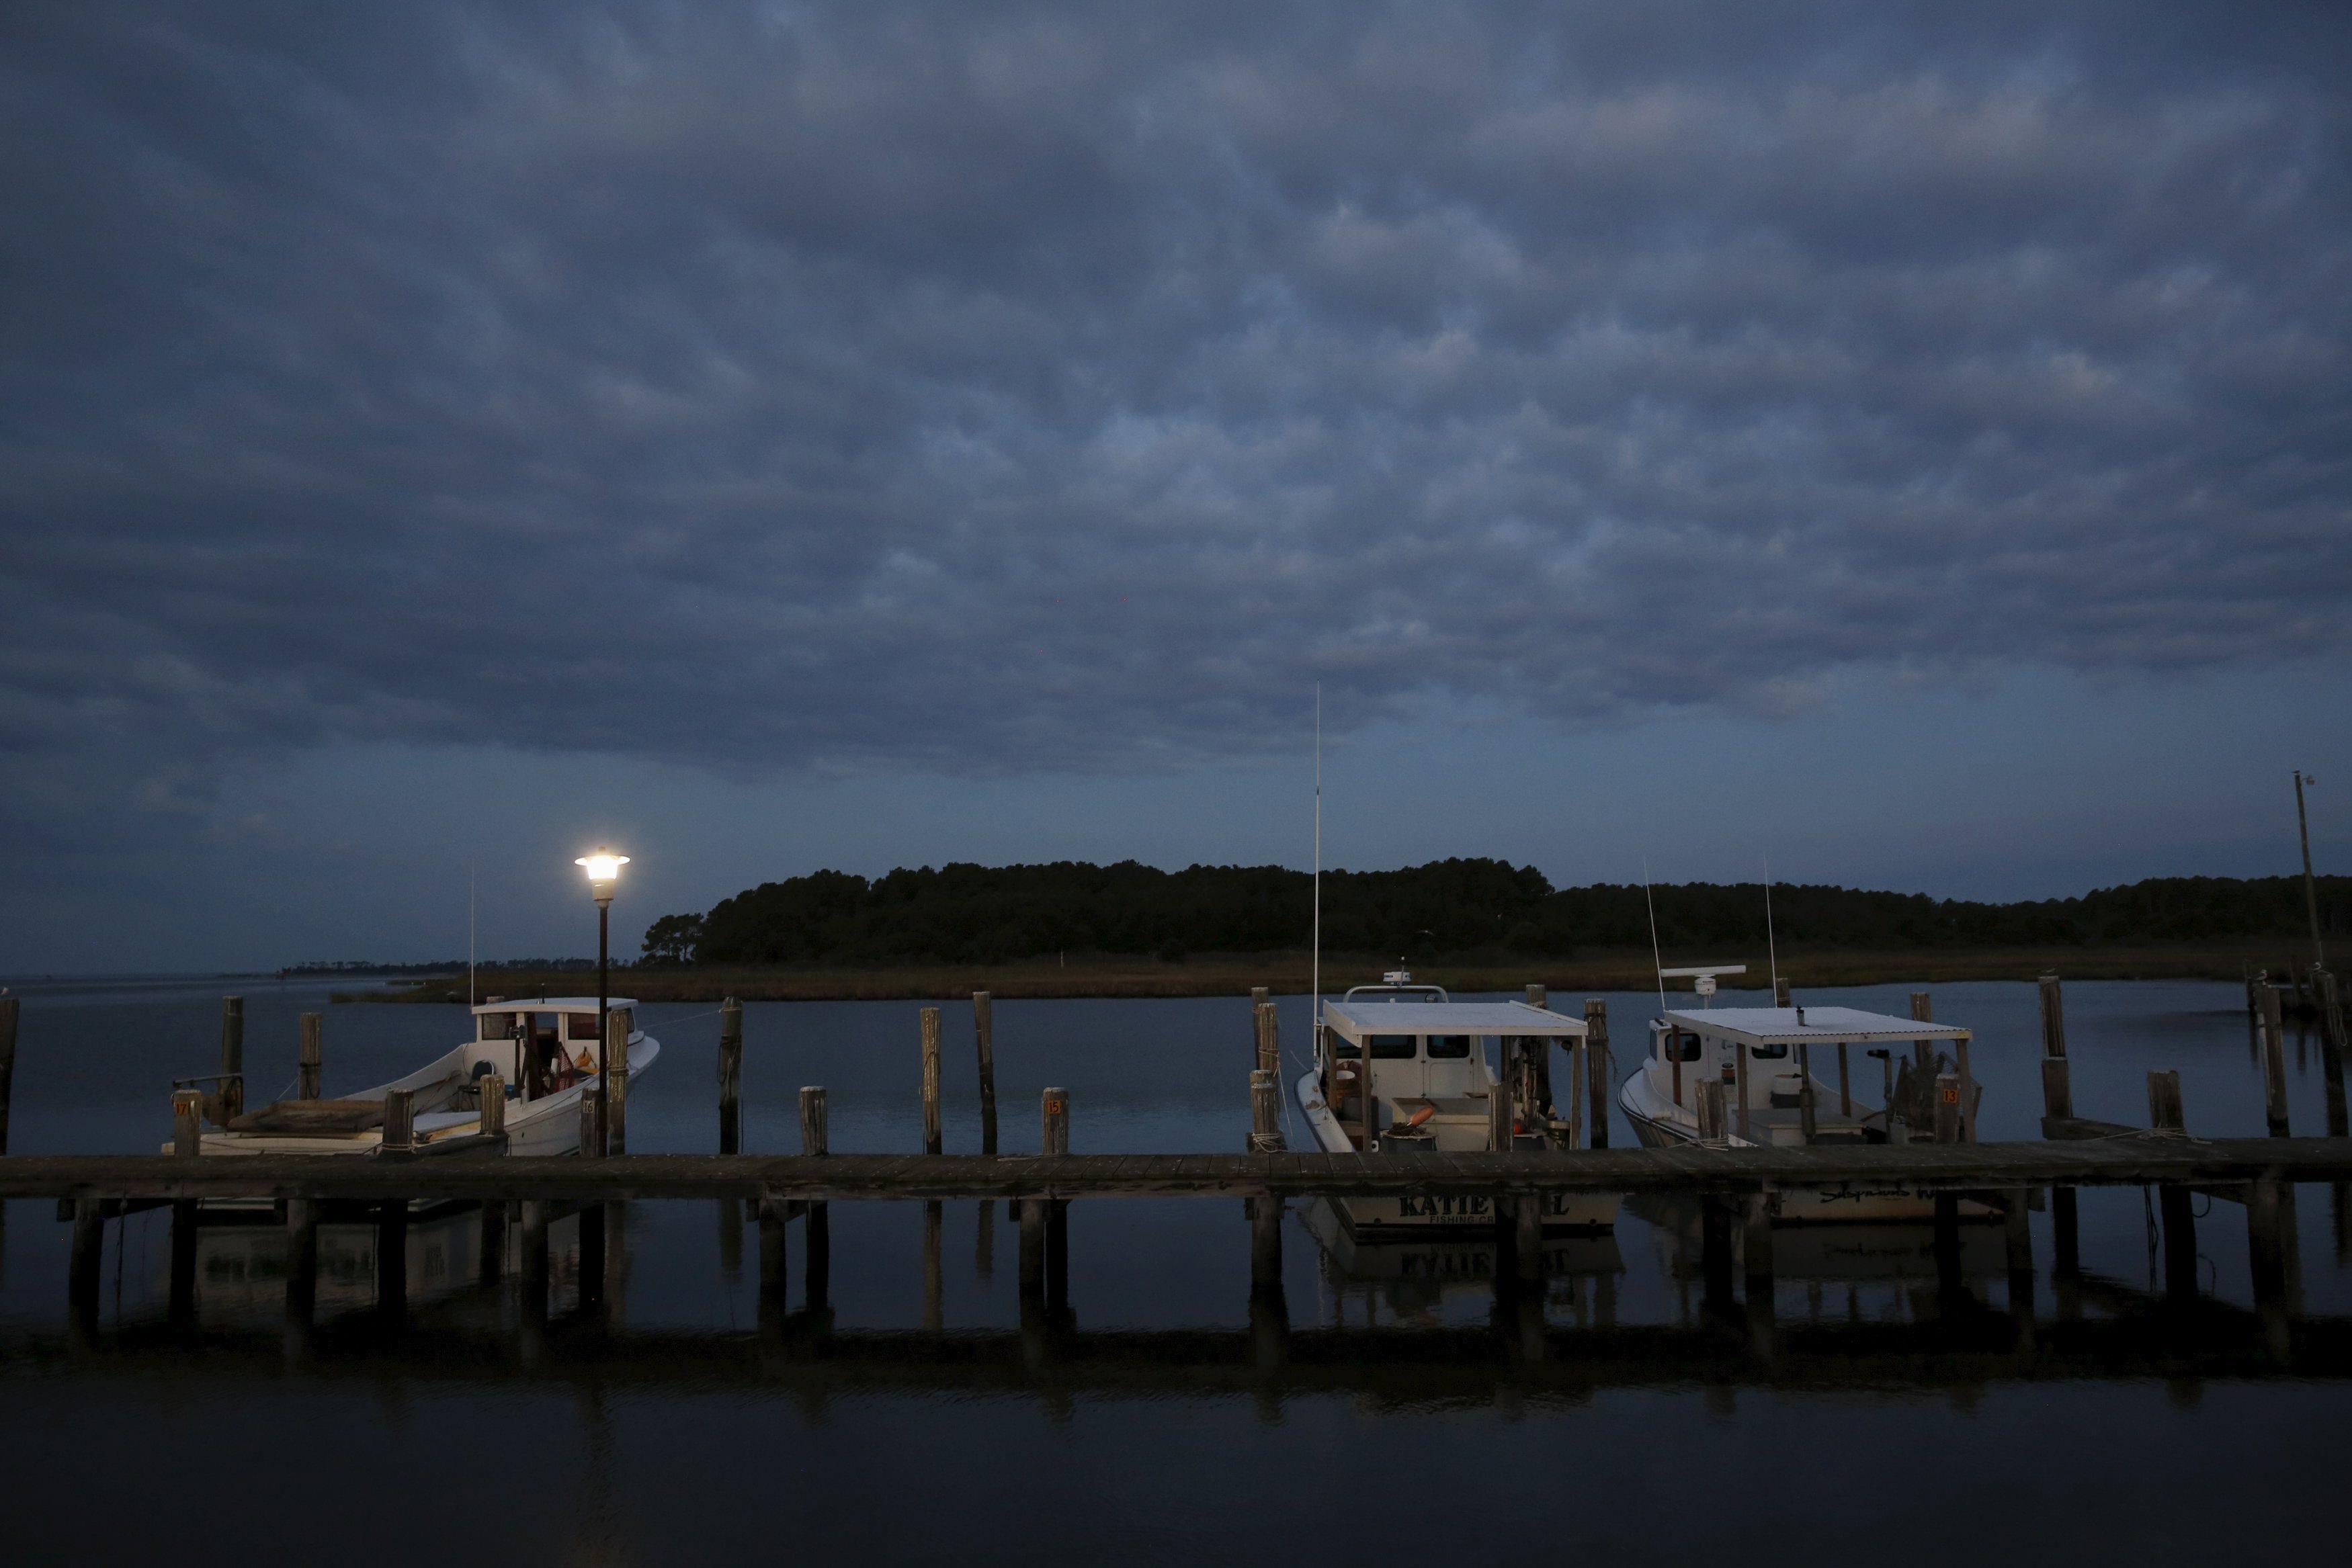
(2141, 1159)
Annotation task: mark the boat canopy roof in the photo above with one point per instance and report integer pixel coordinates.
(1357, 1018)
(1755, 1025)
(551, 1004)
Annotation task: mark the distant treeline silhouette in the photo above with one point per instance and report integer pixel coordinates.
(1457, 910)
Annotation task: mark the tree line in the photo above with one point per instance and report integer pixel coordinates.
(1453, 910)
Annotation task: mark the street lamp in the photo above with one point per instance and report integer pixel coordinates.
(603, 869)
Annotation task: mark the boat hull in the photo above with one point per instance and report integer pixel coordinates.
(1847, 1204)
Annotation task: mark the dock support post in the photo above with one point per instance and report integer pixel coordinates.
(309, 1057)
(1739, 1089)
(2267, 1216)
(1779, 993)
(2057, 1088)
(187, 1123)
(2274, 1062)
(1947, 1107)
(775, 1277)
(1710, 1113)
(1539, 1072)
(619, 1024)
(1268, 1019)
(490, 1104)
(86, 1264)
(1597, 1072)
(983, 1029)
(391, 1260)
(301, 1271)
(1055, 1138)
(9, 1008)
(816, 1228)
(1033, 1248)
(1715, 1254)
(2018, 1237)
(1266, 1245)
(533, 1260)
(1923, 1051)
(231, 1095)
(183, 1302)
(2054, 1017)
(931, 1032)
(730, 1078)
(1265, 1113)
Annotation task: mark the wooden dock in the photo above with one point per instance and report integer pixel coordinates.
(2138, 1159)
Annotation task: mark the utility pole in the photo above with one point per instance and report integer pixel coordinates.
(2310, 891)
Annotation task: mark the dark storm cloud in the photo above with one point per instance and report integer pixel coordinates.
(1015, 387)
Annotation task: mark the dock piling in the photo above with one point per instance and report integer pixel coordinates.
(1600, 1070)
(187, 1123)
(930, 1031)
(310, 1056)
(1947, 1107)
(2054, 1017)
(1808, 1115)
(813, 1128)
(816, 1230)
(1056, 1135)
(2057, 1105)
(1710, 1112)
(400, 1119)
(1265, 1113)
(983, 1030)
(592, 1145)
(619, 1024)
(730, 1076)
(490, 1103)
(231, 1095)
(2274, 1062)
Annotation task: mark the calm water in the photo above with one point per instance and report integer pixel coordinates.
(660, 1430)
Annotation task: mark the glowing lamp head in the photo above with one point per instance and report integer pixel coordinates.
(603, 869)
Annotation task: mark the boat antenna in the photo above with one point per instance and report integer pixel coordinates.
(469, 934)
(1314, 1016)
(1772, 948)
(1656, 962)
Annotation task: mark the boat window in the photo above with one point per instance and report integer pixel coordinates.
(1392, 1047)
(1447, 1047)
(580, 1026)
(1768, 1053)
(1345, 1050)
(495, 1026)
(1689, 1048)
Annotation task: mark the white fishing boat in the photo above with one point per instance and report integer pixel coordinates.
(1765, 1058)
(544, 1049)
(1416, 1059)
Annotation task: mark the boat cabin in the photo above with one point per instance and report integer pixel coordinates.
(1424, 1057)
(1766, 1058)
(539, 1045)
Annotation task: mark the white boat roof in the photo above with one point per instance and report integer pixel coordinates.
(1758, 1024)
(1448, 1018)
(551, 1004)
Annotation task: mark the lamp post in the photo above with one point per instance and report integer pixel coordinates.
(2310, 895)
(603, 869)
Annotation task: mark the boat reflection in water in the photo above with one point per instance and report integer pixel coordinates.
(1450, 1277)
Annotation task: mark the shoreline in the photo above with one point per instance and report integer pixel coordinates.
(1289, 974)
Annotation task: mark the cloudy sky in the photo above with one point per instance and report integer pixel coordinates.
(1911, 440)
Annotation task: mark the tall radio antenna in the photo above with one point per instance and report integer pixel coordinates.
(1771, 946)
(469, 934)
(1315, 1013)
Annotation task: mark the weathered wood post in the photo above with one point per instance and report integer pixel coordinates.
(931, 1019)
(490, 1104)
(1600, 1068)
(592, 1144)
(1498, 1105)
(619, 1024)
(1923, 1051)
(2274, 1062)
(187, 1123)
(1055, 1136)
(301, 1261)
(2058, 1104)
(1779, 993)
(730, 1078)
(817, 1227)
(1265, 1113)
(2165, 1114)
(1739, 1087)
(1540, 1061)
(1947, 1107)
(309, 1057)
(1269, 1038)
(983, 1029)
(8, 1013)
(400, 1120)
(1710, 1112)
(232, 1082)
